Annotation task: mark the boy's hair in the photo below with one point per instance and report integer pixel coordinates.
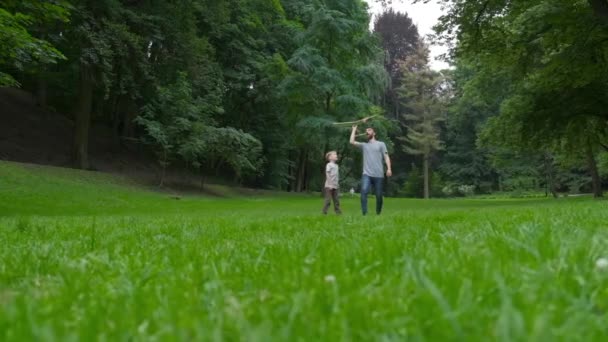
(329, 154)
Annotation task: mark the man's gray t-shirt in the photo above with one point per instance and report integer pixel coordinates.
(373, 158)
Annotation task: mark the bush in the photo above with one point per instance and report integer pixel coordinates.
(458, 190)
(414, 184)
(436, 185)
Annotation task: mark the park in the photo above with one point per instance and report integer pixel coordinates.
(303, 170)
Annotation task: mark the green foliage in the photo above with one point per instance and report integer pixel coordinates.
(181, 125)
(423, 108)
(274, 73)
(437, 185)
(421, 96)
(544, 62)
(240, 151)
(414, 184)
(399, 38)
(334, 74)
(175, 122)
(21, 49)
(465, 161)
(272, 76)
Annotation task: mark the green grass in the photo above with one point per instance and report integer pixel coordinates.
(88, 257)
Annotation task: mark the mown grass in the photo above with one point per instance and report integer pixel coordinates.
(89, 257)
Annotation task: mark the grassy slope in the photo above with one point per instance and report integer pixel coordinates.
(90, 257)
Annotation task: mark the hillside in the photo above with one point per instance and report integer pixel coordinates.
(29, 134)
(29, 189)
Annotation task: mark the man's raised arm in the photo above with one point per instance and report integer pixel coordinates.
(352, 136)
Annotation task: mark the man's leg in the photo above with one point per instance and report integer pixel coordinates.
(327, 194)
(336, 197)
(378, 185)
(365, 184)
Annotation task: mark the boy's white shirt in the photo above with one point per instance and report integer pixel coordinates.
(332, 171)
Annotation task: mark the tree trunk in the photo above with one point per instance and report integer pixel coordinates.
(203, 178)
(550, 178)
(129, 118)
(301, 172)
(163, 171)
(83, 119)
(305, 178)
(42, 92)
(115, 108)
(395, 100)
(426, 177)
(600, 8)
(291, 173)
(595, 176)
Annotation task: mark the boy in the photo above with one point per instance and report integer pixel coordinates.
(332, 178)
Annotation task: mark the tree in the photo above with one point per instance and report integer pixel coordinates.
(336, 74)
(175, 123)
(107, 60)
(240, 151)
(465, 161)
(275, 73)
(423, 110)
(399, 38)
(551, 53)
(252, 40)
(21, 49)
(181, 126)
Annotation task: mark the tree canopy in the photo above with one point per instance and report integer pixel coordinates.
(248, 89)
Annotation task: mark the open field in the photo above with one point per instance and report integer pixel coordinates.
(87, 257)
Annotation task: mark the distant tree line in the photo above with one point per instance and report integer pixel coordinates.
(248, 89)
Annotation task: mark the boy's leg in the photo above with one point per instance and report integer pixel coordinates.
(336, 197)
(327, 195)
(378, 185)
(365, 184)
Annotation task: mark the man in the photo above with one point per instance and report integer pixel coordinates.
(374, 152)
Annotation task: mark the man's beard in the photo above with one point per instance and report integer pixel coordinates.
(370, 136)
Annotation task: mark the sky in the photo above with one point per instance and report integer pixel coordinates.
(424, 16)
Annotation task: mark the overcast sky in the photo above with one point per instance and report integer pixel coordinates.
(425, 16)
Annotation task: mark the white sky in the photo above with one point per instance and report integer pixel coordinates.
(425, 16)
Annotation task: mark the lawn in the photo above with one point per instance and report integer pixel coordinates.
(87, 257)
